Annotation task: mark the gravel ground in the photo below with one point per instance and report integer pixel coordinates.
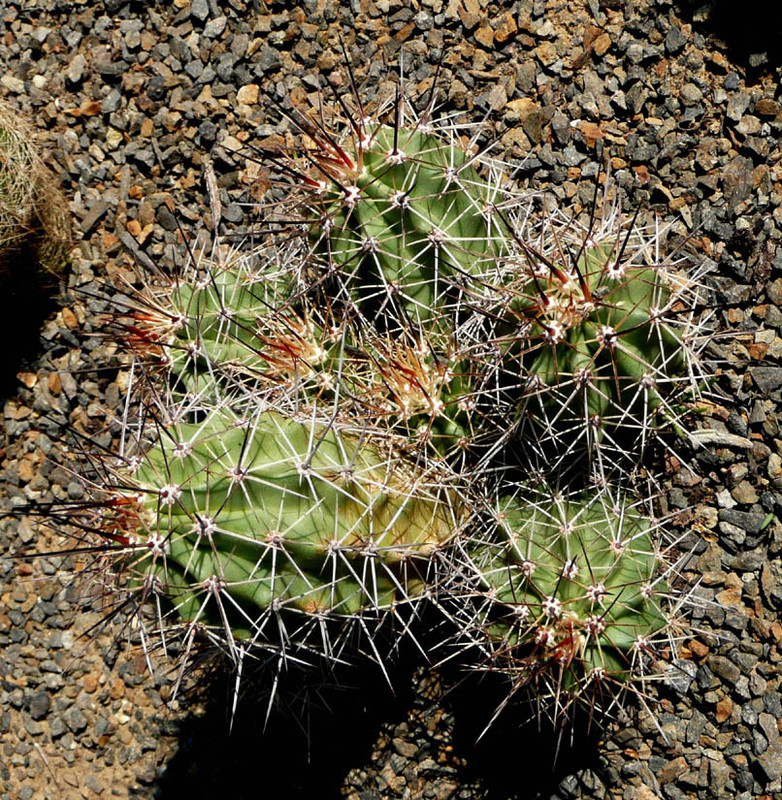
(133, 100)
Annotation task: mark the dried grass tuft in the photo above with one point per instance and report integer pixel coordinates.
(34, 216)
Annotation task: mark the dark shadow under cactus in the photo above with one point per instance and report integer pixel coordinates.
(304, 749)
(27, 297)
(756, 46)
(308, 746)
(517, 756)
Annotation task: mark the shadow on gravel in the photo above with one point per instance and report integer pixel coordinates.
(516, 757)
(312, 742)
(27, 297)
(752, 31)
(304, 752)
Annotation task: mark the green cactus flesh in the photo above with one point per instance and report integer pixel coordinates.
(603, 347)
(407, 223)
(230, 329)
(277, 514)
(574, 586)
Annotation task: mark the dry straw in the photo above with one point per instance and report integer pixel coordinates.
(34, 221)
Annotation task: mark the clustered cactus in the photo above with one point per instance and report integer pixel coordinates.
(425, 390)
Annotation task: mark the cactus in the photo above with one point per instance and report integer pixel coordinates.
(611, 338)
(575, 590)
(404, 221)
(35, 238)
(249, 527)
(209, 326)
(33, 214)
(324, 418)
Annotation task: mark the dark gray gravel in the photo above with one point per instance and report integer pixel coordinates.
(134, 100)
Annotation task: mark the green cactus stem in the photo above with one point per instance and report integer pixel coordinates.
(575, 592)
(604, 337)
(233, 325)
(404, 221)
(240, 521)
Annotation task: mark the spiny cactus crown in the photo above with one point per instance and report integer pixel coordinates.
(405, 221)
(576, 585)
(603, 335)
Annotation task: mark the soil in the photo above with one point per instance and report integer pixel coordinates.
(132, 102)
